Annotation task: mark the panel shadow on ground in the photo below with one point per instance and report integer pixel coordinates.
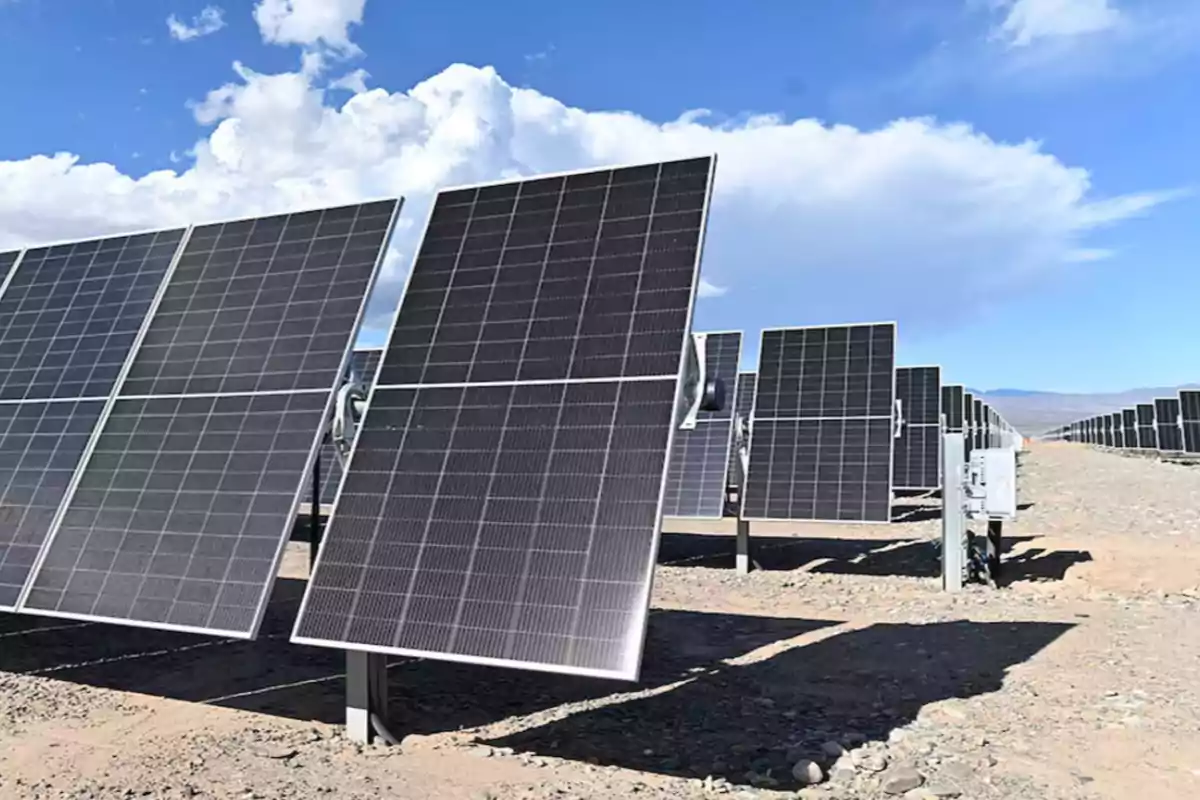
(733, 719)
(273, 676)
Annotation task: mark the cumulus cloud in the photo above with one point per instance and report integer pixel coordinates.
(1027, 21)
(210, 20)
(310, 23)
(917, 220)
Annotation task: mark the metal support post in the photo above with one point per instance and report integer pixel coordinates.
(366, 693)
(995, 544)
(954, 544)
(743, 546)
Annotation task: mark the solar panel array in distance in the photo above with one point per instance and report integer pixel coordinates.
(1147, 434)
(700, 456)
(495, 510)
(182, 510)
(69, 315)
(821, 447)
(1189, 411)
(916, 463)
(1129, 427)
(1166, 418)
(952, 406)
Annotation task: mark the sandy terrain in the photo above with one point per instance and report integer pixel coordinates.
(1079, 679)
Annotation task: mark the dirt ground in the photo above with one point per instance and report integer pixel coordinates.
(1079, 679)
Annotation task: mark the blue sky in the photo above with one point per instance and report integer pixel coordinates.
(1063, 264)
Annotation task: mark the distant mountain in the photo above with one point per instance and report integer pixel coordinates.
(1033, 412)
(1006, 392)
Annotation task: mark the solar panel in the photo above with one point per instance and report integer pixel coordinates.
(1118, 426)
(1129, 427)
(1146, 433)
(1189, 412)
(1166, 416)
(364, 363)
(917, 460)
(182, 508)
(700, 457)
(952, 407)
(742, 408)
(69, 314)
(1106, 430)
(821, 445)
(503, 498)
(979, 419)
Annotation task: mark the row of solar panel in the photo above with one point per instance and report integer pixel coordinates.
(163, 396)
(1168, 425)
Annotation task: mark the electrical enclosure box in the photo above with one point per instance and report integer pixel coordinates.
(992, 484)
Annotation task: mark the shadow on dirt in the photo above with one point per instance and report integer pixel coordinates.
(731, 720)
(272, 676)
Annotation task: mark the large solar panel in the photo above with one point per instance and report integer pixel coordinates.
(503, 498)
(1106, 430)
(1189, 412)
(700, 456)
(1118, 426)
(917, 460)
(182, 508)
(1147, 435)
(821, 445)
(952, 407)
(742, 408)
(69, 314)
(364, 363)
(1166, 418)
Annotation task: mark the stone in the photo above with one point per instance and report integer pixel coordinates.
(873, 763)
(807, 772)
(899, 780)
(277, 752)
(941, 790)
(833, 749)
(842, 775)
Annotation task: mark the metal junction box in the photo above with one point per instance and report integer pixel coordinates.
(992, 484)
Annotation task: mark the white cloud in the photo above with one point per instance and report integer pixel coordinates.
(210, 20)
(1027, 21)
(707, 288)
(310, 23)
(917, 221)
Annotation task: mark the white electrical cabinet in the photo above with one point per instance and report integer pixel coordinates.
(992, 484)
